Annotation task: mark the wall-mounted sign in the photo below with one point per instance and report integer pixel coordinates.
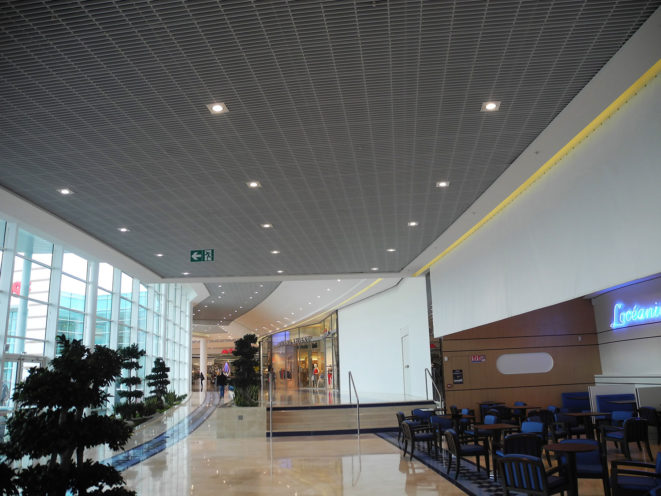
(227, 351)
(457, 376)
(638, 314)
(478, 358)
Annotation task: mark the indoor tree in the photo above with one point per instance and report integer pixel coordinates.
(130, 362)
(246, 378)
(158, 380)
(50, 425)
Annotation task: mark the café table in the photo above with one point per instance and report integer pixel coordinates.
(523, 408)
(495, 431)
(570, 449)
(589, 426)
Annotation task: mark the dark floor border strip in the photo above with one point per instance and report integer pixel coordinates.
(348, 405)
(171, 436)
(335, 432)
(453, 481)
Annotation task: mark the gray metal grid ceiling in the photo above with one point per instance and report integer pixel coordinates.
(347, 112)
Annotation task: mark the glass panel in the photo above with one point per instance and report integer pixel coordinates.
(143, 295)
(27, 346)
(9, 378)
(157, 325)
(34, 248)
(30, 280)
(127, 286)
(70, 324)
(156, 349)
(123, 336)
(158, 297)
(102, 333)
(142, 318)
(142, 340)
(103, 304)
(3, 226)
(74, 265)
(72, 293)
(124, 311)
(27, 319)
(105, 276)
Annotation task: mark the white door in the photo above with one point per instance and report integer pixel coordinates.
(406, 369)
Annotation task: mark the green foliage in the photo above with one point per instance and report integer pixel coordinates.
(158, 379)
(246, 377)
(130, 362)
(171, 398)
(151, 405)
(50, 426)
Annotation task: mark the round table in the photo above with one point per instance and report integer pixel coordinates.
(570, 449)
(589, 428)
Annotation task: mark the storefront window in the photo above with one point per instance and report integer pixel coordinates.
(303, 358)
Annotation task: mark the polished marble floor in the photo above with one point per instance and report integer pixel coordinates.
(206, 463)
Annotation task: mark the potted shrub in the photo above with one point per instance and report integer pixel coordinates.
(57, 418)
(246, 378)
(132, 406)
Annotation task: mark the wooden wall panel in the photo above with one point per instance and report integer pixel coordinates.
(566, 331)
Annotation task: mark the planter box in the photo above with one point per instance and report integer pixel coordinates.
(240, 422)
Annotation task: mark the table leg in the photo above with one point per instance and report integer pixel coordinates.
(571, 462)
(589, 427)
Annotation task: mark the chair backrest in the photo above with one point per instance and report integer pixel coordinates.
(423, 415)
(567, 419)
(406, 430)
(490, 419)
(658, 464)
(523, 473)
(400, 418)
(635, 429)
(530, 426)
(523, 444)
(649, 414)
(552, 409)
(619, 416)
(452, 440)
(440, 423)
(465, 411)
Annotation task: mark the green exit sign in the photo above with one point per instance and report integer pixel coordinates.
(201, 255)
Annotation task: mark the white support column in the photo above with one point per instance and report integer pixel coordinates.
(89, 333)
(203, 360)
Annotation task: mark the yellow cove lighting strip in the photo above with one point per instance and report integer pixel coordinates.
(650, 74)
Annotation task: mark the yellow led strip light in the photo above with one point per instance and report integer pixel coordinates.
(650, 74)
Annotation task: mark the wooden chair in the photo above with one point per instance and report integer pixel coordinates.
(635, 478)
(526, 474)
(460, 451)
(413, 435)
(633, 430)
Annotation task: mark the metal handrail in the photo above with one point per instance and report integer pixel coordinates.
(352, 383)
(438, 391)
(270, 406)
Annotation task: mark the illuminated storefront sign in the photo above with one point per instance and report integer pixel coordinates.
(637, 314)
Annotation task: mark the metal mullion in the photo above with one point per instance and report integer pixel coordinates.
(6, 277)
(53, 301)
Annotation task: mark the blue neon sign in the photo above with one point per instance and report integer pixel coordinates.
(625, 317)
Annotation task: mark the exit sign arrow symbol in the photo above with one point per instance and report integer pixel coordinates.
(195, 256)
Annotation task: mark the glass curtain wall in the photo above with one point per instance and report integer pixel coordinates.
(47, 290)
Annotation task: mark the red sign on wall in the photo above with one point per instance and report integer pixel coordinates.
(227, 351)
(478, 358)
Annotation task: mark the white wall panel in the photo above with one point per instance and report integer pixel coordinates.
(590, 223)
(370, 336)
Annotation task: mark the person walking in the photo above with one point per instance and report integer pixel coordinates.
(201, 381)
(221, 382)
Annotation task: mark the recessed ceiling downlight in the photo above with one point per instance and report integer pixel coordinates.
(266, 226)
(123, 229)
(412, 223)
(442, 184)
(217, 108)
(254, 184)
(65, 191)
(490, 106)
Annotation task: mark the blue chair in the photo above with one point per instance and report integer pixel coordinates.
(482, 434)
(619, 416)
(438, 427)
(459, 451)
(633, 430)
(571, 426)
(632, 478)
(401, 418)
(518, 413)
(413, 436)
(532, 427)
(421, 415)
(526, 474)
(590, 465)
